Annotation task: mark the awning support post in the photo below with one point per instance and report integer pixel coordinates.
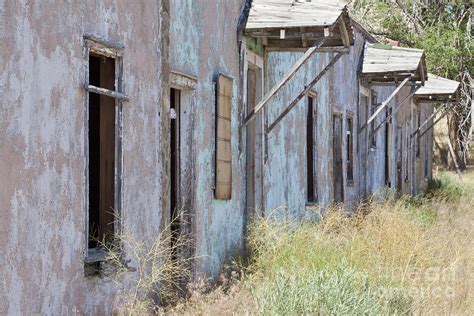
(397, 108)
(304, 92)
(252, 114)
(444, 106)
(387, 101)
(434, 123)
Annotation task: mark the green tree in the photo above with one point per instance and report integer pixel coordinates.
(443, 30)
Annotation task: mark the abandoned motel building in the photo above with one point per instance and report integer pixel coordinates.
(117, 116)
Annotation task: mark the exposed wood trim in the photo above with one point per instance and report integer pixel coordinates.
(107, 92)
(104, 42)
(306, 90)
(444, 106)
(387, 101)
(254, 59)
(302, 49)
(251, 116)
(344, 34)
(182, 81)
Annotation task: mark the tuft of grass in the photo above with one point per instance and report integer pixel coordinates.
(445, 187)
(149, 273)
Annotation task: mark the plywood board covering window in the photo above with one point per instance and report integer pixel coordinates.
(223, 138)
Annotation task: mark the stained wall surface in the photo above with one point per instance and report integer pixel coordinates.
(43, 153)
(204, 44)
(337, 92)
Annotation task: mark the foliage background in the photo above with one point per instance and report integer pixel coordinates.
(444, 30)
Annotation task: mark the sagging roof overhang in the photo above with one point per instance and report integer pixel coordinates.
(387, 64)
(296, 25)
(438, 89)
(293, 25)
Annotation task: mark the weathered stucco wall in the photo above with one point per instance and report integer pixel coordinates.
(42, 146)
(337, 92)
(204, 44)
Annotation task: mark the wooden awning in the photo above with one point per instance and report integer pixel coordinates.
(293, 25)
(387, 64)
(438, 89)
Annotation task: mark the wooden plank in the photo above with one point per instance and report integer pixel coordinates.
(251, 116)
(223, 138)
(107, 92)
(304, 92)
(387, 101)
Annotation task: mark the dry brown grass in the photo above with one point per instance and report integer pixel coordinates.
(413, 255)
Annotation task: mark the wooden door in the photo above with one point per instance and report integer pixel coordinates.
(251, 137)
(337, 159)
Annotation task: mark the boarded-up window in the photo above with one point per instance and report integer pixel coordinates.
(350, 150)
(223, 139)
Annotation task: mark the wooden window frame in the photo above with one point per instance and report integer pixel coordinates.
(312, 112)
(350, 149)
(101, 47)
(372, 109)
(417, 139)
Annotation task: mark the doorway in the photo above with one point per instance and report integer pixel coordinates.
(251, 145)
(337, 159)
(398, 141)
(363, 117)
(174, 211)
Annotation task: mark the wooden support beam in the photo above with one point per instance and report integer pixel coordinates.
(429, 119)
(453, 156)
(397, 108)
(305, 91)
(107, 92)
(344, 34)
(434, 123)
(251, 116)
(387, 101)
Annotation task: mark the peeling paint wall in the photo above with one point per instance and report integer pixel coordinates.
(204, 44)
(337, 92)
(42, 146)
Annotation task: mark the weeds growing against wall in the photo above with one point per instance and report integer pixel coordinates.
(407, 255)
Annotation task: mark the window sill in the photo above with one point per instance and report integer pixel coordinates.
(95, 264)
(95, 255)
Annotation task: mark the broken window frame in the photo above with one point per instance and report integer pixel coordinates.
(100, 47)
